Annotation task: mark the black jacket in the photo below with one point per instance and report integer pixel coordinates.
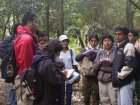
(120, 62)
(52, 78)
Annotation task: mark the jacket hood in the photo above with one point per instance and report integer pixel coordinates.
(22, 29)
(39, 56)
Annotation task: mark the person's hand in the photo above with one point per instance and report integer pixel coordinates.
(100, 62)
(118, 79)
(65, 72)
(93, 54)
(106, 62)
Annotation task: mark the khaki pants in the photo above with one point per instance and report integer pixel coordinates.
(22, 93)
(108, 94)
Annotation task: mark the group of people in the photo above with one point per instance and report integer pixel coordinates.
(54, 60)
(112, 83)
(115, 75)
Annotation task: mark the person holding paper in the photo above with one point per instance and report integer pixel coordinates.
(52, 74)
(68, 57)
(103, 64)
(90, 82)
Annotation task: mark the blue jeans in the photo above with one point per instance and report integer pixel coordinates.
(125, 94)
(11, 95)
(68, 94)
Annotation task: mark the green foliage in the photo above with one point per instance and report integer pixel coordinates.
(74, 44)
(81, 17)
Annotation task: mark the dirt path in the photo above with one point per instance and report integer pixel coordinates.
(3, 94)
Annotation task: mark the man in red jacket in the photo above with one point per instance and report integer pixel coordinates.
(25, 46)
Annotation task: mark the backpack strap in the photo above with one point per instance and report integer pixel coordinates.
(71, 53)
(100, 53)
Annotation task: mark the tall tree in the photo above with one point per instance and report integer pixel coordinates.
(129, 14)
(47, 16)
(61, 16)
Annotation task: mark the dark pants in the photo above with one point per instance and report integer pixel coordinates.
(138, 91)
(62, 92)
(68, 94)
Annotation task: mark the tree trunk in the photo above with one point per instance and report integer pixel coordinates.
(58, 33)
(47, 16)
(129, 14)
(61, 16)
(81, 42)
(4, 32)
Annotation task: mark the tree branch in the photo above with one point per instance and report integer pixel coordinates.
(134, 4)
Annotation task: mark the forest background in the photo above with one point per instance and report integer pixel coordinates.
(72, 17)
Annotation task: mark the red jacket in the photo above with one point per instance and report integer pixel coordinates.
(24, 48)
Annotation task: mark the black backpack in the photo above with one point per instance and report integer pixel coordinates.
(33, 80)
(8, 64)
(137, 65)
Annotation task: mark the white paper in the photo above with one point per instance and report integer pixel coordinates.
(89, 51)
(70, 72)
(74, 77)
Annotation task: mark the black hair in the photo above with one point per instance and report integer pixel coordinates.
(53, 46)
(124, 29)
(14, 28)
(134, 32)
(42, 34)
(107, 36)
(93, 36)
(29, 16)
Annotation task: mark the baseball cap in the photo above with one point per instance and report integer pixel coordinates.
(62, 37)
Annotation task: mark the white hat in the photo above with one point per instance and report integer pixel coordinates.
(62, 37)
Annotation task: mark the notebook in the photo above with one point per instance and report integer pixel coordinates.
(70, 72)
(73, 77)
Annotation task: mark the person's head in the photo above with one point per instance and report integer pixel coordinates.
(30, 21)
(14, 29)
(93, 40)
(64, 40)
(54, 47)
(121, 33)
(43, 35)
(107, 41)
(43, 39)
(133, 35)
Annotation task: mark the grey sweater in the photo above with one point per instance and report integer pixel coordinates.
(104, 70)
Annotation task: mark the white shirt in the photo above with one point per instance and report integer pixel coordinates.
(66, 58)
